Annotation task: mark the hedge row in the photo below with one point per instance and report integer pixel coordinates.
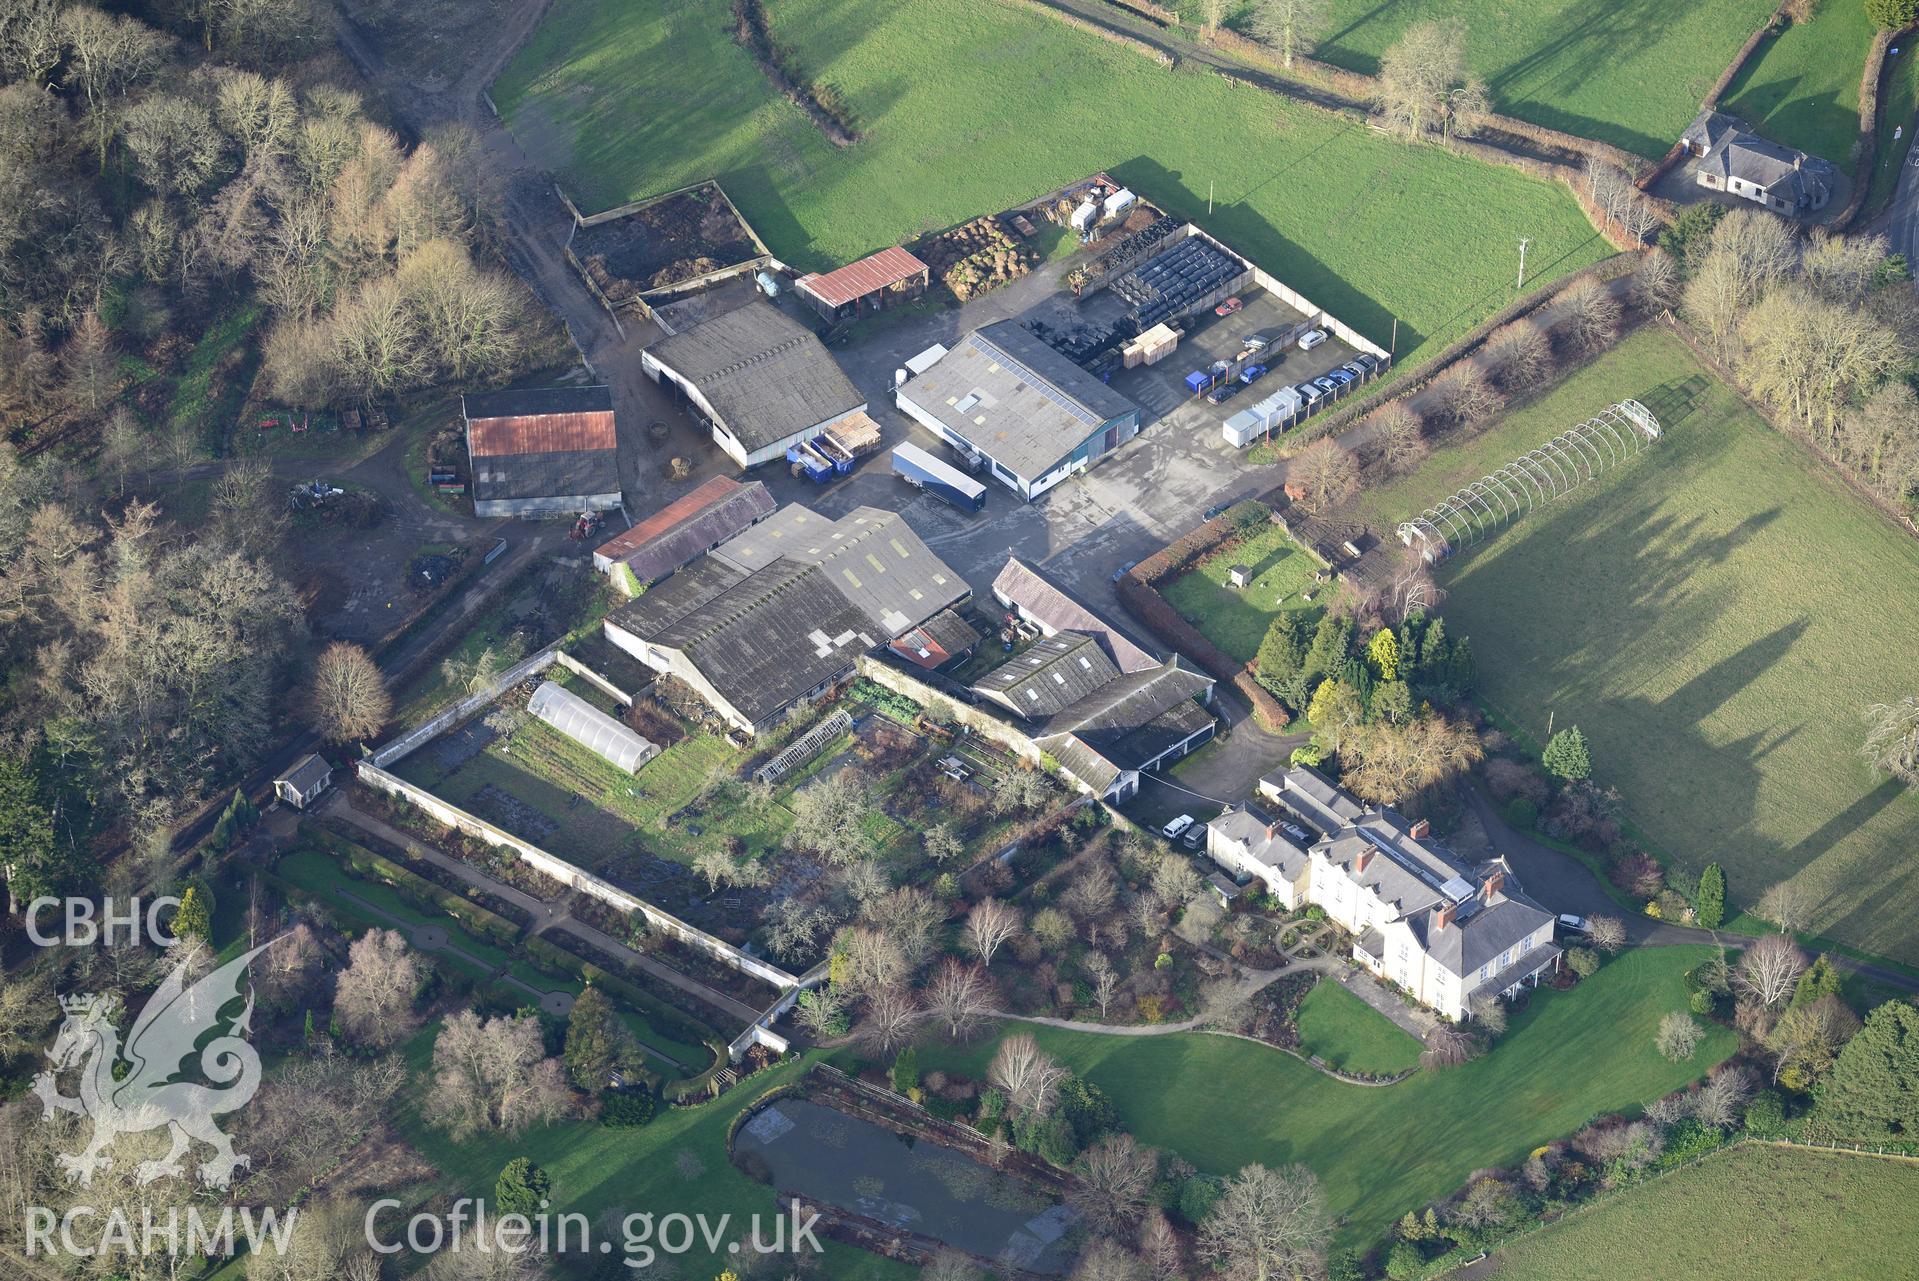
(1604, 271)
(1093, 28)
(417, 890)
(1866, 149)
(670, 1020)
(1139, 593)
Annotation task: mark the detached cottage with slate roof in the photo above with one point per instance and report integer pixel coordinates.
(1007, 401)
(1422, 918)
(1733, 159)
(777, 615)
(547, 451)
(762, 380)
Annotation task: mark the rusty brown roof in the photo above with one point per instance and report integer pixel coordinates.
(546, 420)
(857, 279)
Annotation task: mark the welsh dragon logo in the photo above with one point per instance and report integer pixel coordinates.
(150, 1093)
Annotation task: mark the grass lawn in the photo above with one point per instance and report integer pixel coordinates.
(1801, 87)
(1235, 619)
(1754, 1211)
(970, 106)
(1379, 1151)
(1351, 1035)
(1631, 73)
(1715, 615)
(677, 1164)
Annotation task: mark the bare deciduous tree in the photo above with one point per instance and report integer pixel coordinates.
(1892, 738)
(1843, 268)
(891, 1015)
(829, 818)
(1399, 433)
(1267, 1224)
(1590, 315)
(988, 926)
(961, 998)
(1607, 933)
(1105, 980)
(869, 961)
(942, 843)
(1159, 1245)
(1784, 904)
(1448, 1045)
(1463, 395)
(951, 1265)
(1290, 26)
(1026, 1074)
(1656, 284)
(1678, 1036)
(1423, 84)
(1107, 1260)
(1519, 355)
(1720, 1101)
(1323, 474)
(373, 997)
(493, 1074)
(349, 700)
(912, 918)
(1116, 1182)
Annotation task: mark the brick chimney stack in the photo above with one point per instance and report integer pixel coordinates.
(1363, 861)
(1443, 915)
(1494, 884)
(1420, 830)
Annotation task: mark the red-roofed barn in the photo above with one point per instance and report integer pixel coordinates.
(547, 450)
(879, 280)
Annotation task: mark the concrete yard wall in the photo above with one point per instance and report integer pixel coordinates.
(423, 733)
(593, 678)
(559, 869)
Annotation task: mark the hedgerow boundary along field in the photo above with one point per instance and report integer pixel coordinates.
(972, 106)
(1629, 72)
(1755, 1211)
(1380, 1151)
(1715, 615)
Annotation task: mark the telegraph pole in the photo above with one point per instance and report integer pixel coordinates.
(1209, 197)
(1520, 287)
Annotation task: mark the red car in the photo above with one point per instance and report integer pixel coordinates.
(1228, 307)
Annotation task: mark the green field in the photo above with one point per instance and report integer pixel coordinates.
(1351, 1035)
(971, 106)
(1631, 73)
(1234, 618)
(1715, 616)
(1752, 1212)
(1221, 1102)
(598, 1172)
(1801, 87)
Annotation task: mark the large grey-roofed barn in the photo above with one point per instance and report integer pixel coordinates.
(766, 375)
(1015, 398)
(590, 727)
(872, 557)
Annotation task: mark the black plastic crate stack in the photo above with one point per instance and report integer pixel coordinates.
(1136, 243)
(1173, 282)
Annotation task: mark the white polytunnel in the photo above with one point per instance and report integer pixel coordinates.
(590, 727)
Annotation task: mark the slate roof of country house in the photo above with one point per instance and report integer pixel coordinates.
(857, 279)
(766, 375)
(689, 526)
(1733, 150)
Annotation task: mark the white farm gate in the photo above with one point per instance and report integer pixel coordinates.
(1615, 435)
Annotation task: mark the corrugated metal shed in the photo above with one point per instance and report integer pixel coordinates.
(672, 537)
(539, 421)
(590, 727)
(765, 375)
(857, 279)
